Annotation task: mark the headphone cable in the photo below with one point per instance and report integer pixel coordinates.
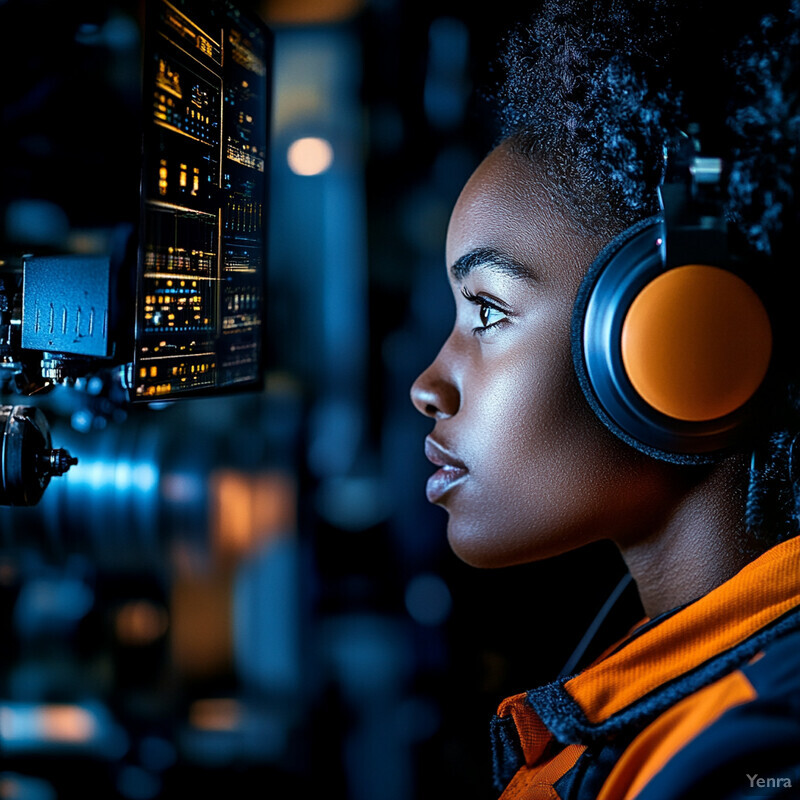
(592, 630)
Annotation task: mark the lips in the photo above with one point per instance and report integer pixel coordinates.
(451, 470)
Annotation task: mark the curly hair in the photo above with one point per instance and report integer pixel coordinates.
(601, 92)
(608, 85)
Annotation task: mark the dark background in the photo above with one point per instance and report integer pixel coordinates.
(250, 593)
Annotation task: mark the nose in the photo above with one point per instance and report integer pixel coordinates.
(434, 394)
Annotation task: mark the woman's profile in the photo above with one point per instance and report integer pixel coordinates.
(639, 140)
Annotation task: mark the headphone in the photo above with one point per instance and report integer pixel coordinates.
(670, 344)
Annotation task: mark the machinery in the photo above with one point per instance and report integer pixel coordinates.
(134, 188)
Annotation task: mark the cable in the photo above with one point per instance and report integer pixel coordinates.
(592, 630)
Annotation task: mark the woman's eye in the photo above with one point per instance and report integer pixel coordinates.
(490, 316)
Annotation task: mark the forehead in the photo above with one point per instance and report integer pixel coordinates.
(509, 205)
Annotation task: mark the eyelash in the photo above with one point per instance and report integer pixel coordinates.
(482, 303)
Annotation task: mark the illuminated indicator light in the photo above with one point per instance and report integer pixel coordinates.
(169, 283)
(143, 372)
(153, 372)
(310, 156)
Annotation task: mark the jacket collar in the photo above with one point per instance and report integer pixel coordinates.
(665, 660)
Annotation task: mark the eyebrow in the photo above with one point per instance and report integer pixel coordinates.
(489, 258)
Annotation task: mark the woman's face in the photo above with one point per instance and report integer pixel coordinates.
(525, 469)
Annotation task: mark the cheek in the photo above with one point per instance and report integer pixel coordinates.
(530, 433)
(546, 476)
(526, 403)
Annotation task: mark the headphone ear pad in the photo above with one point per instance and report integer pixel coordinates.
(696, 343)
(668, 359)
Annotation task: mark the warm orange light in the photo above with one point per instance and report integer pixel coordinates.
(247, 510)
(216, 714)
(201, 618)
(300, 12)
(310, 155)
(67, 724)
(140, 622)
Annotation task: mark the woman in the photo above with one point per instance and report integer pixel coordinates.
(703, 697)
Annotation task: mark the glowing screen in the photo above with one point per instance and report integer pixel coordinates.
(202, 246)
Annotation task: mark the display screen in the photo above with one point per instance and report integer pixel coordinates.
(202, 256)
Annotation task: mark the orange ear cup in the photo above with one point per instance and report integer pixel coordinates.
(696, 343)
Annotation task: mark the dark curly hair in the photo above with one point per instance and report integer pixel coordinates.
(601, 92)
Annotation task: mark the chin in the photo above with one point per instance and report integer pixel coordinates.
(483, 548)
(488, 544)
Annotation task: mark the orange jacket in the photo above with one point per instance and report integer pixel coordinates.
(701, 702)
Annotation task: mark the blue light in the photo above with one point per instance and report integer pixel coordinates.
(428, 599)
